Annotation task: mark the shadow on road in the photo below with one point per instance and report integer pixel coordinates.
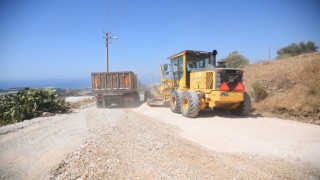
(120, 106)
(207, 113)
(222, 113)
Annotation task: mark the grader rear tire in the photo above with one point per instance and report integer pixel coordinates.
(175, 101)
(190, 104)
(244, 108)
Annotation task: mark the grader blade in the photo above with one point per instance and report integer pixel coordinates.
(155, 103)
(161, 95)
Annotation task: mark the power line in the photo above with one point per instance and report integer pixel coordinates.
(127, 58)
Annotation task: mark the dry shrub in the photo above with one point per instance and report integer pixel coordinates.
(282, 82)
(313, 101)
(311, 76)
(259, 91)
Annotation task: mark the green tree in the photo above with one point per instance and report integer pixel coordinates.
(235, 60)
(295, 49)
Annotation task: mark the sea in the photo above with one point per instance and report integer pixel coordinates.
(52, 83)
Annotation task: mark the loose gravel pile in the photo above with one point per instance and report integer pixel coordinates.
(126, 145)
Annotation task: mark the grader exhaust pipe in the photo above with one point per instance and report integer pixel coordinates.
(213, 58)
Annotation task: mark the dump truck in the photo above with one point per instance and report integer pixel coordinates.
(198, 83)
(115, 88)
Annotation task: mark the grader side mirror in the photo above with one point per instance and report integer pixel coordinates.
(165, 67)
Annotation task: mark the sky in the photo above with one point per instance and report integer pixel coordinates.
(62, 40)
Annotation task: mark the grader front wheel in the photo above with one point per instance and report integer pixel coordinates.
(190, 104)
(175, 101)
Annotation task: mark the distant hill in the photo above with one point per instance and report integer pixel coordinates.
(289, 83)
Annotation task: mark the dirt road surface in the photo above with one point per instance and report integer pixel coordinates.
(223, 132)
(153, 143)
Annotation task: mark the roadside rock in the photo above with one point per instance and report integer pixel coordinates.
(47, 114)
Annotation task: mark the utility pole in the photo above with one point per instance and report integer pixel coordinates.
(269, 52)
(107, 47)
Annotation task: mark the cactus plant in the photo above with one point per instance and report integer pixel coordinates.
(30, 103)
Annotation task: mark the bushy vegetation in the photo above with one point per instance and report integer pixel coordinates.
(235, 60)
(295, 49)
(29, 103)
(259, 91)
(311, 81)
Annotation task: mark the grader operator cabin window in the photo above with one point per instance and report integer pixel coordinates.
(177, 69)
(198, 60)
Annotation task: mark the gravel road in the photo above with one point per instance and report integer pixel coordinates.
(138, 143)
(29, 150)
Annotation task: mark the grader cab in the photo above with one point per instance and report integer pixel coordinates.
(198, 84)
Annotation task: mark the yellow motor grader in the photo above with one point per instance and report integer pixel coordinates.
(197, 83)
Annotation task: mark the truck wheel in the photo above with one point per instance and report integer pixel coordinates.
(175, 101)
(99, 100)
(108, 103)
(99, 104)
(244, 108)
(137, 99)
(128, 100)
(190, 104)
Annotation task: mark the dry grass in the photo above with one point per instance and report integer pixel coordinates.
(292, 84)
(311, 79)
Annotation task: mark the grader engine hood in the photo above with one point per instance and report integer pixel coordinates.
(203, 80)
(217, 79)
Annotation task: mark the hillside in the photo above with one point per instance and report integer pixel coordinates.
(292, 85)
